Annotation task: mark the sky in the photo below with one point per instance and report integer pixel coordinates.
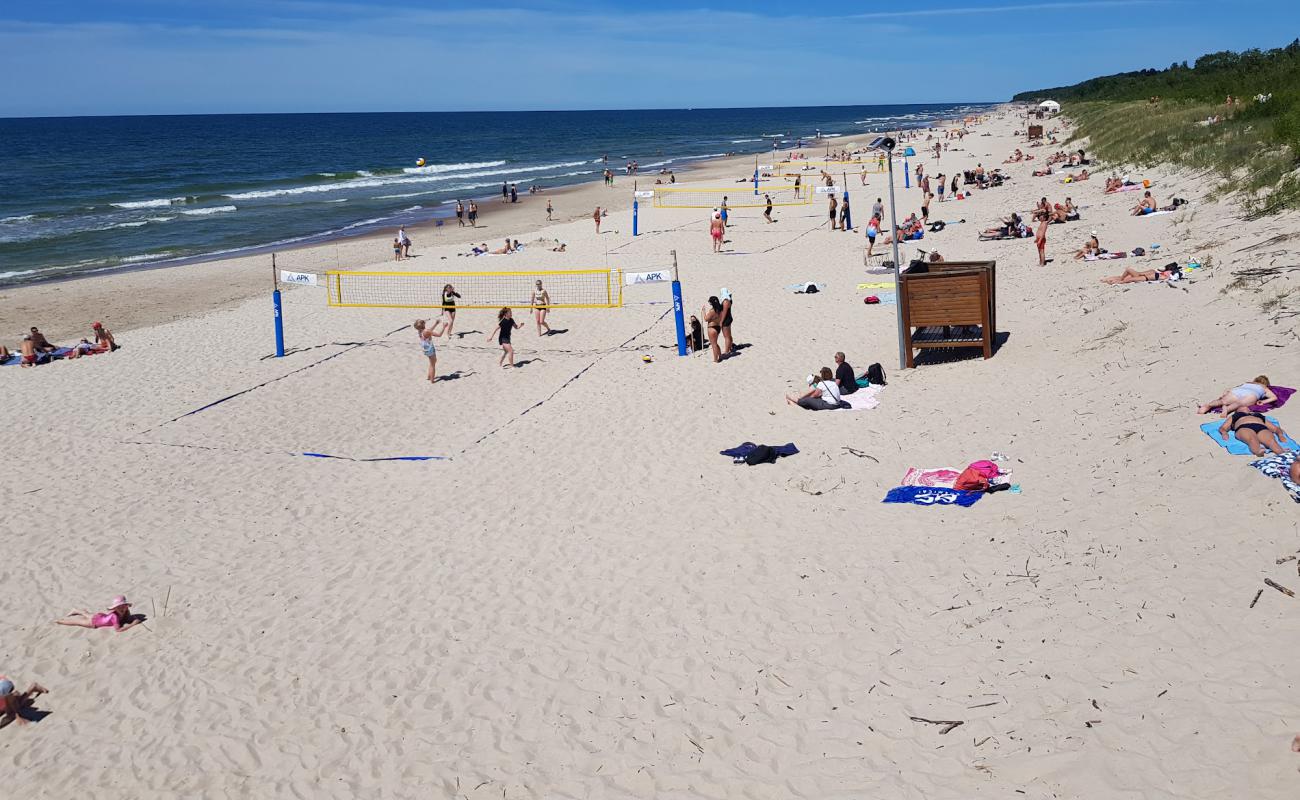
(97, 57)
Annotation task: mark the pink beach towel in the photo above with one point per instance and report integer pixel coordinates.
(932, 476)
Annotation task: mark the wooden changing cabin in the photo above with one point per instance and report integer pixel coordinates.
(942, 302)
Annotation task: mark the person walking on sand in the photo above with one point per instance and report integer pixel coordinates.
(834, 204)
(426, 335)
(873, 230)
(595, 215)
(473, 214)
(767, 208)
(505, 192)
(878, 209)
(549, 210)
(925, 208)
(505, 326)
(460, 213)
(541, 305)
(722, 209)
(716, 230)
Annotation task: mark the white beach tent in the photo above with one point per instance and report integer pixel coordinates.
(1050, 106)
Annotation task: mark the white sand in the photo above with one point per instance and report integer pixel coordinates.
(588, 601)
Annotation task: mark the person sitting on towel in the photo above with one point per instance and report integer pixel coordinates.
(1147, 206)
(39, 342)
(844, 377)
(104, 341)
(1092, 247)
(823, 395)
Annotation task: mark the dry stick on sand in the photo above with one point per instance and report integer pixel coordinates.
(1280, 588)
(1256, 600)
(166, 600)
(948, 724)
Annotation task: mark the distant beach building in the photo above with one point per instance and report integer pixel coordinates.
(1049, 107)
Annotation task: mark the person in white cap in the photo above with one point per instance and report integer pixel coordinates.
(118, 617)
(13, 704)
(716, 228)
(1092, 247)
(728, 346)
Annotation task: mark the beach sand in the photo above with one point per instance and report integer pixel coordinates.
(587, 600)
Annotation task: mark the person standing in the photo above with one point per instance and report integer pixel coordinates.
(473, 214)
(878, 209)
(728, 346)
(1040, 239)
(835, 225)
(940, 181)
(506, 325)
(863, 175)
(716, 230)
(722, 209)
(449, 298)
(405, 240)
(873, 230)
(426, 335)
(925, 208)
(595, 215)
(767, 208)
(845, 216)
(548, 209)
(541, 305)
(920, 169)
(514, 193)
(460, 213)
(797, 188)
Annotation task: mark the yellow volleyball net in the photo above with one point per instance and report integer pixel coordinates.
(805, 168)
(738, 196)
(573, 288)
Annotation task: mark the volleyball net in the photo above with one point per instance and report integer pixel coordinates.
(574, 288)
(738, 196)
(804, 168)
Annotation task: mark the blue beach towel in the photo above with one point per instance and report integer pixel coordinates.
(1234, 445)
(932, 496)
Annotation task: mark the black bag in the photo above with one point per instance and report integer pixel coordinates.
(876, 375)
(761, 454)
(937, 226)
(812, 289)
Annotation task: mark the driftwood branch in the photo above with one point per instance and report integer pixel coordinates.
(948, 724)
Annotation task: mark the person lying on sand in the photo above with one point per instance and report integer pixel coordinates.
(1131, 275)
(1241, 398)
(1073, 178)
(824, 394)
(118, 617)
(1254, 431)
(14, 704)
(1146, 206)
(506, 248)
(82, 348)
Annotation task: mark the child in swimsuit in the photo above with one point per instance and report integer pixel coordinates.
(118, 617)
(1242, 397)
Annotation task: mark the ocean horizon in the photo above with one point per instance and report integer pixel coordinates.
(95, 194)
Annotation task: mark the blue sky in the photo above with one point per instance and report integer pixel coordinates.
(224, 56)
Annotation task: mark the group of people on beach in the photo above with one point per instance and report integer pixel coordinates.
(539, 302)
(35, 349)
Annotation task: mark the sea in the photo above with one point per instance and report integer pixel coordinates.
(84, 195)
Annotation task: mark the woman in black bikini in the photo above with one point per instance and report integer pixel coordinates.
(1254, 431)
(712, 313)
(728, 346)
(449, 296)
(506, 325)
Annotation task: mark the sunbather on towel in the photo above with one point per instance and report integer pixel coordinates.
(81, 348)
(1146, 206)
(1092, 247)
(32, 356)
(1254, 431)
(1241, 398)
(823, 395)
(104, 341)
(39, 341)
(1143, 276)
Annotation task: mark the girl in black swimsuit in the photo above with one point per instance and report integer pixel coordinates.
(505, 326)
(449, 297)
(713, 318)
(1254, 431)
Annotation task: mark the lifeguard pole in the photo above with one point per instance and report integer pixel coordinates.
(634, 208)
(756, 176)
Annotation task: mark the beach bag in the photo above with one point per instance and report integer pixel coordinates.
(876, 375)
(976, 477)
(761, 454)
(811, 289)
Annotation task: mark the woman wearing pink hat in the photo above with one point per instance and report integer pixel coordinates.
(118, 617)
